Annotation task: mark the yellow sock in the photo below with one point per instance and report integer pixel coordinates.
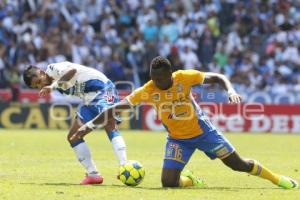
(265, 173)
(185, 181)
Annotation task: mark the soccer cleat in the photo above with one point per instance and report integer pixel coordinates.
(97, 179)
(197, 182)
(287, 183)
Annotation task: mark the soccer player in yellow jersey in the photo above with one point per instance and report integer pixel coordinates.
(188, 128)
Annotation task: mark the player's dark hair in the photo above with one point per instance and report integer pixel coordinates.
(160, 62)
(29, 73)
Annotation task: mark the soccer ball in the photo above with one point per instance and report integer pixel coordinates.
(132, 173)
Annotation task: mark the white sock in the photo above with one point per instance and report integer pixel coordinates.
(84, 157)
(119, 147)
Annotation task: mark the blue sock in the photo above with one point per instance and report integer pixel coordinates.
(113, 133)
(77, 143)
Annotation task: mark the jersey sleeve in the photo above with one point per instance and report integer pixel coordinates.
(138, 96)
(194, 77)
(56, 71)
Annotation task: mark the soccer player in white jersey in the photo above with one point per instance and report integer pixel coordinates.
(97, 93)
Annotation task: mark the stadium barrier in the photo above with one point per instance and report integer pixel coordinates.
(201, 93)
(231, 118)
(43, 116)
(241, 118)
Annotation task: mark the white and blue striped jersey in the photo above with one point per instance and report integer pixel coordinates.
(87, 83)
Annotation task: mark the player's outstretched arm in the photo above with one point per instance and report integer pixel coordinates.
(101, 119)
(63, 80)
(110, 113)
(211, 78)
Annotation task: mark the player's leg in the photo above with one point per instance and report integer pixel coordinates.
(177, 154)
(236, 163)
(83, 153)
(253, 167)
(170, 177)
(105, 100)
(215, 145)
(117, 141)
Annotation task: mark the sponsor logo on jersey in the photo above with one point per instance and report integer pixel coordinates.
(174, 115)
(179, 88)
(110, 96)
(169, 95)
(156, 97)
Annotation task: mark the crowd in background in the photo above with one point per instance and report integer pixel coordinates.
(254, 42)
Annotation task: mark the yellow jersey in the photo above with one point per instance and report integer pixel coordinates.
(175, 106)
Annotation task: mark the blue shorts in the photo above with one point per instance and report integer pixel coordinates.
(212, 143)
(106, 98)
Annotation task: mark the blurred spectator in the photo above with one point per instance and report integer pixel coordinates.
(13, 79)
(206, 47)
(189, 59)
(175, 58)
(185, 40)
(150, 31)
(213, 23)
(164, 47)
(168, 30)
(115, 70)
(221, 57)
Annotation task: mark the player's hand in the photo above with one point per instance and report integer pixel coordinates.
(45, 90)
(235, 98)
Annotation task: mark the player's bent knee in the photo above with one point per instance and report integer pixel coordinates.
(236, 163)
(72, 140)
(69, 138)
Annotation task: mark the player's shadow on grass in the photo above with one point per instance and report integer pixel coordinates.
(113, 185)
(194, 188)
(158, 188)
(209, 188)
(52, 184)
(220, 188)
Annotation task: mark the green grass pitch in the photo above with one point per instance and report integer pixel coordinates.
(39, 164)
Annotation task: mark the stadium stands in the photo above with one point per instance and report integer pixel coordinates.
(255, 43)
